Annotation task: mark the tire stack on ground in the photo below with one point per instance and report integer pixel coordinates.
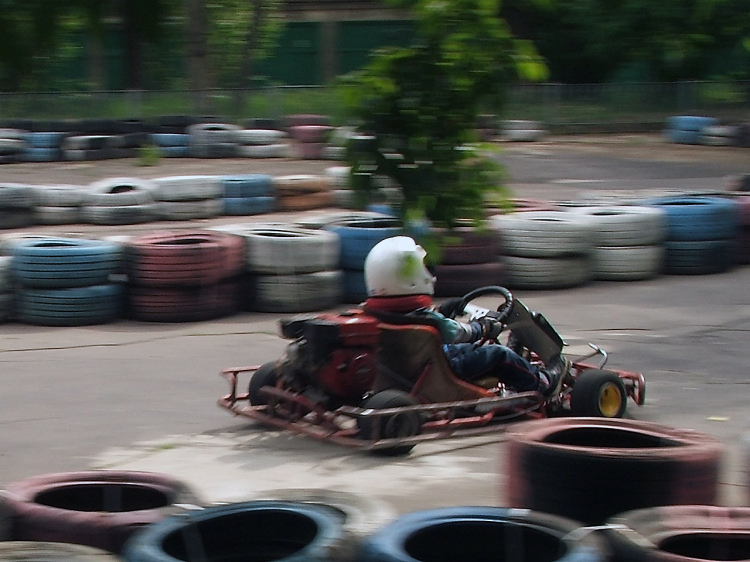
(702, 233)
(66, 281)
(251, 194)
(719, 135)
(468, 259)
(343, 194)
(213, 140)
(309, 135)
(302, 192)
(680, 533)
(590, 469)
(45, 142)
(628, 241)
(97, 140)
(13, 144)
(290, 269)
(687, 129)
(16, 205)
(357, 237)
(117, 201)
(97, 509)
(262, 143)
(544, 249)
(58, 204)
(743, 203)
(522, 130)
(184, 276)
(172, 145)
(6, 293)
(179, 198)
(253, 530)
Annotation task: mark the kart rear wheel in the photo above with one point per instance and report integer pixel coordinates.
(266, 375)
(403, 424)
(598, 393)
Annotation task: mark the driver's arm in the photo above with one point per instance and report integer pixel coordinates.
(453, 331)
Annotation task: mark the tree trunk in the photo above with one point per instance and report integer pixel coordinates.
(197, 49)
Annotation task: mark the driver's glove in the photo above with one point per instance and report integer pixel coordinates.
(450, 308)
(490, 328)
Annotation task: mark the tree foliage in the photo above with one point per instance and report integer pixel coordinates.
(600, 40)
(419, 104)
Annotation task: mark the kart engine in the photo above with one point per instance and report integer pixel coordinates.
(332, 354)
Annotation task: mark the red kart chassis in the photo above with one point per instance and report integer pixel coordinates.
(391, 429)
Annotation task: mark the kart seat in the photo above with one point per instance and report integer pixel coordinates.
(411, 358)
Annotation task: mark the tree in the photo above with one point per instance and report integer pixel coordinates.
(418, 107)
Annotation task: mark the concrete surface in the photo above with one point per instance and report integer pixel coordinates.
(142, 396)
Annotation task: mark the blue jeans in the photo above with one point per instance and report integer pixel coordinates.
(471, 361)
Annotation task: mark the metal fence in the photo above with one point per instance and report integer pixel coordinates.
(565, 107)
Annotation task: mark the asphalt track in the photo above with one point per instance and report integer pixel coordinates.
(142, 396)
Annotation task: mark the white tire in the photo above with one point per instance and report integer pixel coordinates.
(259, 136)
(187, 188)
(305, 292)
(625, 225)
(546, 272)
(58, 195)
(543, 233)
(627, 263)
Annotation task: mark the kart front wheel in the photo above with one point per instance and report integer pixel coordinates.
(266, 375)
(598, 393)
(394, 426)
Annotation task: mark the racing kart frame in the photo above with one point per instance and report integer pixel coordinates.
(385, 386)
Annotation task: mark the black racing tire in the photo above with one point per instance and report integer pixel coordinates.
(266, 375)
(41, 551)
(598, 393)
(362, 515)
(405, 424)
(99, 508)
(482, 534)
(590, 469)
(254, 530)
(680, 533)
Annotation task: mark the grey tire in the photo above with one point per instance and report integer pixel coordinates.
(627, 263)
(290, 250)
(547, 272)
(305, 292)
(188, 188)
(118, 192)
(625, 225)
(542, 233)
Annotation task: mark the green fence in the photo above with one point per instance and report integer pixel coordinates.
(565, 108)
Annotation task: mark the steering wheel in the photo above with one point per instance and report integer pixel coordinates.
(503, 311)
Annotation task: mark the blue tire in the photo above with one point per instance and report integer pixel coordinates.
(355, 288)
(481, 534)
(255, 530)
(242, 206)
(79, 306)
(252, 185)
(359, 236)
(42, 154)
(175, 151)
(700, 257)
(64, 262)
(46, 139)
(692, 218)
(167, 140)
(693, 123)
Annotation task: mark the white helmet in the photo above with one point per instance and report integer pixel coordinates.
(395, 266)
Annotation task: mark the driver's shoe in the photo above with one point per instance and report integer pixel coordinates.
(555, 373)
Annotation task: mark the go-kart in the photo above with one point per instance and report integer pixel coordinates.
(367, 379)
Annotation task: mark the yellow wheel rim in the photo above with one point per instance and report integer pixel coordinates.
(610, 400)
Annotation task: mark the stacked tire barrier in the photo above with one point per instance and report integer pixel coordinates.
(590, 469)
(482, 534)
(65, 281)
(628, 241)
(251, 194)
(172, 145)
(7, 295)
(262, 143)
(519, 130)
(687, 129)
(702, 233)
(302, 192)
(254, 530)
(16, 205)
(309, 135)
(743, 203)
(96, 509)
(12, 144)
(117, 201)
(357, 237)
(290, 269)
(179, 198)
(544, 249)
(680, 533)
(58, 204)
(468, 259)
(213, 140)
(44, 146)
(183, 276)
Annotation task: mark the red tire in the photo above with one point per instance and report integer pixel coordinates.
(101, 509)
(590, 469)
(184, 304)
(192, 258)
(457, 280)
